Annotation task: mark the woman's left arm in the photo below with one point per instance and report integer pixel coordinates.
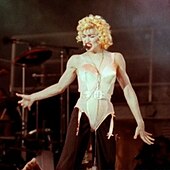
(131, 99)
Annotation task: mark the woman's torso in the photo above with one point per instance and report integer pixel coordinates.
(96, 86)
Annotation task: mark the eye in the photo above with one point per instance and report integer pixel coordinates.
(92, 36)
(83, 36)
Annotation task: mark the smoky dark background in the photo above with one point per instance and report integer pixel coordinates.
(141, 32)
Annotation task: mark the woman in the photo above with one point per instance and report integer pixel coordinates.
(97, 70)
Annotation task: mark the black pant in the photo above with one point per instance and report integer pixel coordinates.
(75, 146)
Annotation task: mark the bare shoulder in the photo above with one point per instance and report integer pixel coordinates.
(73, 61)
(74, 58)
(118, 56)
(119, 59)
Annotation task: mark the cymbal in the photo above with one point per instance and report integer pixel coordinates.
(34, 57)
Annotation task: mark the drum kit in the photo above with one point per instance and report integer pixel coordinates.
(30, 58)
(33, 57)
(22, 140)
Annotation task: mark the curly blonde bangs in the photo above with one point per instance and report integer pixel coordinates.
(101, 26)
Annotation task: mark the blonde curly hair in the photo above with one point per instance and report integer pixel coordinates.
(100, 25)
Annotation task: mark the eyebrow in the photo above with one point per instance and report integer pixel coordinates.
(90, 34)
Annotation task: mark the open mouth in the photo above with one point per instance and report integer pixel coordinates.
(88, 46)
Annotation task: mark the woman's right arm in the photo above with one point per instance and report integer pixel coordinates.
(66, 79)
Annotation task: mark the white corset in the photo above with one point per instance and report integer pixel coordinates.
(96, 90)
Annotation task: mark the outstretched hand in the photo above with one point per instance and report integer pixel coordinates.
(145, 136)
(26, 100)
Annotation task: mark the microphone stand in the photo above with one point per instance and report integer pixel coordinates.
(62, 115)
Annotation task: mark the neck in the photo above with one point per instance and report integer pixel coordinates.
(97, 59)
(96, 50)
(96, 53)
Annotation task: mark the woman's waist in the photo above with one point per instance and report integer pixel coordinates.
(96, 94)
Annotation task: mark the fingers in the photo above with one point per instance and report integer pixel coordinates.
(147, 139)
(29, 107)
(25, 102)
(20, 101)
(149, 134)
(135, 136)
(145, 136)
(24, 96)
(19, 95)
(136, 133)
(152, 139)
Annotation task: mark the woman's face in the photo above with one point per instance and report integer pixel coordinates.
(90, 40)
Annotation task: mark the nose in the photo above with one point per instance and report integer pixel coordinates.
(86, 39)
